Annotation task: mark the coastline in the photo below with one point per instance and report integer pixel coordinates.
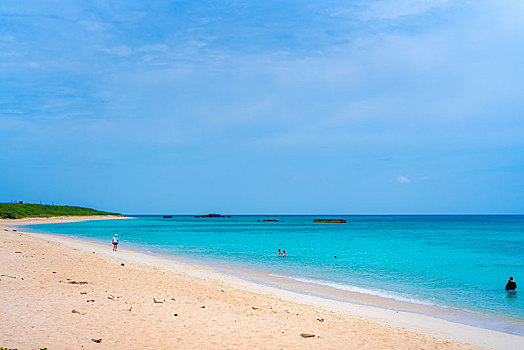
(56, 219)
(325, 290)
(404, 328)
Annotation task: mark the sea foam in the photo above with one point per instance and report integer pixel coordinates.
(355, 289)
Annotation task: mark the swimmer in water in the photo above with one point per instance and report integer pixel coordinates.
(511, 286)
(279, 253)
(283, 253)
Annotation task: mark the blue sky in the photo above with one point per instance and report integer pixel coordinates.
(264, 107)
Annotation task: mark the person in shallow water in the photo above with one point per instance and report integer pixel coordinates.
(511, 286)
(279, 252)
(283, 253)
(115, 242)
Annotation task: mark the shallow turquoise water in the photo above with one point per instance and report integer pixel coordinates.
(455, 261)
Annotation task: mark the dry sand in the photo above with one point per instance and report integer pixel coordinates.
(196, 307)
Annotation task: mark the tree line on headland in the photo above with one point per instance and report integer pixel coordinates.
(23, 210)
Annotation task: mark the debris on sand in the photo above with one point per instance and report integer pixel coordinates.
(320, 319)
(96, 340)
(75, 312)
(75, 282)
(157, 301)
(307, 335)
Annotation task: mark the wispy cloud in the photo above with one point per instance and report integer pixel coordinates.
(403, 180)
(120, 50)
(411, 82)
(393, 9)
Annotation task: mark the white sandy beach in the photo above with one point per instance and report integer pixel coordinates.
(196, 307)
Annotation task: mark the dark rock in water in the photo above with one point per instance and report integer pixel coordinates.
(307, 335)
(210, 216)
(330, 221)
(270, 220)
(167, 216)
(96, 340)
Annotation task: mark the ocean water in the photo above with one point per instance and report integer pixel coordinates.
(460, 262)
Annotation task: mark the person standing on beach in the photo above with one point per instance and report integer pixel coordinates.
(511, 285)
(115, 242)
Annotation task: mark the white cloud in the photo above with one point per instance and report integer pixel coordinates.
(154, 48)
(120, 50)
(93, 26)
(403, 180)
(7, 38)
(399, 8)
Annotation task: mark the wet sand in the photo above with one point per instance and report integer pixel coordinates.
(195, 306)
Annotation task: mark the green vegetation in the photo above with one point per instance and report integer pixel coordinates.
(20, 211)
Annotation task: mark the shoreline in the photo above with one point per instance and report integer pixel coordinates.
(325, 290)
(422, 324)
(311, 287)
(56, 220)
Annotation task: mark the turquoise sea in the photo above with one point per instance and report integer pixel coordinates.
(457, 262)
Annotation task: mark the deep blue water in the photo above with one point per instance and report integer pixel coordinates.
(455, 261)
